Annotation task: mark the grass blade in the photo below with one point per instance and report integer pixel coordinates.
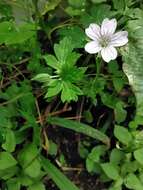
(57, 176)
(80, 128)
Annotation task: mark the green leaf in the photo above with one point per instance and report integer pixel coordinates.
(77, 3)
(98, 1)
(118, 82)
(97, 13)
(6, 160)
(120, 112)
(138, 141)
(57, 176)
(113, 67)
(67, 74)
(82, 150)
(13, 184)
(70, 92)
(100, 12)
(88, 116)
(116, 188)
(80, 128)
(63, 49)
(33, 169)
(37, 186)
(138, 154)
(93, 87)
(46, 6)
(132, 182)
(52, 62)
(5, 10)
(10, 141)
(5, 30)
(116, 156)
(76, 7)
(97, 152)
(8, 173)
(25, 180)
(20, 35)
(79, 40)
(134, 13)
(54, 88)
(9, 34)
(53, 148)
(28, 159)
(90, 165)
(118, 77)
(109, 100)
(72, 11)
(117, 185)
(29, 152)
(141, 177)
(43, 77)
(122, 134)
(119, 5)
(110, 170)
(72, 74)
(129, 167)
(93, 159)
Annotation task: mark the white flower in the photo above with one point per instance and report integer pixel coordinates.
(105, 39)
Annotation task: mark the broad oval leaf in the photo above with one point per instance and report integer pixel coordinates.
(122, 134)
(138, 154)
(37, 186)
(6, 160)
(110, 170)
(132, 182)
(10, 142)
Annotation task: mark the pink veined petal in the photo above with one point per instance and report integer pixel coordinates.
(93, 31)
(92, 47)
(119, 39)
(109, 53)
(108, 27)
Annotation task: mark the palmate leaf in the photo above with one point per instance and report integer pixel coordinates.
(133, 63)
(67, 74)
(72, 31)
(70, 92)
(97, 13)
(63, 49)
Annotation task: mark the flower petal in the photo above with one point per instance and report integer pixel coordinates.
(108, 27)
(109, 53)
(119, 39)
(93, 31)
(92, 47)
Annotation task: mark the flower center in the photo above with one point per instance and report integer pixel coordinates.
(104, 41)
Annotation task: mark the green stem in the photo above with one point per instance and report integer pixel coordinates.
(98, 65)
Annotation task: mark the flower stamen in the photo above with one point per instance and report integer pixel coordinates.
(104, 41)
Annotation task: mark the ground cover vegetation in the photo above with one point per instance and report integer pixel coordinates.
(71, 94)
